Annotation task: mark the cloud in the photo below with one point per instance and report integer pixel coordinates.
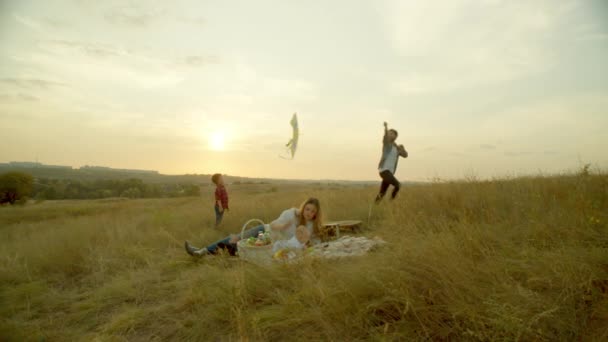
(92, 49)
(139, 15)
(517, 153)
(469, 43)
(94, 63)
(55, 23)
(198, 61)
(455, 154)
(17, 116)
(19, 97)
(253, 142)
(413, 85)
(594, 37)
(106, 51)
(28, 22)
(160, 138)
(591, 31)
(564, 114)
(244, 84)
(30, 83)
(40, 24)
(197, 21)
(135, 15)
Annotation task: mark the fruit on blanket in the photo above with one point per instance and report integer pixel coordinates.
(281, 254)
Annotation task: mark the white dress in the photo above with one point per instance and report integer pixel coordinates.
(290, 217)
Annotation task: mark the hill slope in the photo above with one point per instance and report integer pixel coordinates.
(504, 260)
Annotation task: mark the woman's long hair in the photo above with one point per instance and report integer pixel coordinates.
(317, 222)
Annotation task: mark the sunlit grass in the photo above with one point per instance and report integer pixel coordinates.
(514, 259)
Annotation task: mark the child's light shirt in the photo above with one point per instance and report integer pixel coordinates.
(292, 243)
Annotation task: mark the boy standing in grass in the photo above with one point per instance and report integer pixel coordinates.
(221, 198)
(388, 163)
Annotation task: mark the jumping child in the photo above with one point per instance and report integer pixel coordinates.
(388, 163)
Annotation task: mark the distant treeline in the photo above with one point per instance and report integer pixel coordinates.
(90, 174)
(53, 189)
(93, 174)
(38, 181)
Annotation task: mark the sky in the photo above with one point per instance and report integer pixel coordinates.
(483, 88)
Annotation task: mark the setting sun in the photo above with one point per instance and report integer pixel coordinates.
(217, 141)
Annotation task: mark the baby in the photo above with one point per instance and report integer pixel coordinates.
(299, 240)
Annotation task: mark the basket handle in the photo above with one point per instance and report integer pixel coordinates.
(246, 224)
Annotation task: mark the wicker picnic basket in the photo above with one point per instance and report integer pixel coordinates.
(260, 255)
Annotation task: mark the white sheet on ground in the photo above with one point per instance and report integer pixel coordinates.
(346, 246)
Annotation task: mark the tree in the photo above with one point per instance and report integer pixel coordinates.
(131, 193)
(15, 186)
(49, 193)
(191, 190)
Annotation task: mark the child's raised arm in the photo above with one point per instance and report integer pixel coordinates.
(385, 136)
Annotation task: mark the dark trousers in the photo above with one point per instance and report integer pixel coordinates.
(219, 215)
(388, 179)
(231, 247)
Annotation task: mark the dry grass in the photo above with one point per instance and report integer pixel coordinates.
(522, 259)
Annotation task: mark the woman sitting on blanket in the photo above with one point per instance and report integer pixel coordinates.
(301, 227)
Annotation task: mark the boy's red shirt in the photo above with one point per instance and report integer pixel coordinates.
(221, 195)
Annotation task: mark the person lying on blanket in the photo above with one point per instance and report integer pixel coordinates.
(301, 227)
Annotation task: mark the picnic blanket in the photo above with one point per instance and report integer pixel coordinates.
(346, 246)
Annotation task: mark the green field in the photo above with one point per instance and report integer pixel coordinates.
(522, 259)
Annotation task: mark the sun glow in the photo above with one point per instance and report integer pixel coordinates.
(217, 141)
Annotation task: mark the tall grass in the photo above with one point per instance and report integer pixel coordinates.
(521, 259)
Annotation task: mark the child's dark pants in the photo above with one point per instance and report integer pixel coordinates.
(218, 215)
(388, 179)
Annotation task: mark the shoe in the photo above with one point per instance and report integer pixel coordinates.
(201, 252)
(190, 249)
